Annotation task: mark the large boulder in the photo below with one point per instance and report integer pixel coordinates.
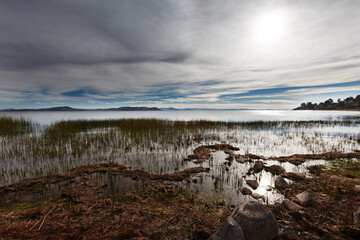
(249, 221)
(230, 230)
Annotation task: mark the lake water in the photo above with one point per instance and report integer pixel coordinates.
(31, 155)
(220, 115)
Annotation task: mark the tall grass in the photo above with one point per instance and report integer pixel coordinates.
(157, 146)
(14, 126)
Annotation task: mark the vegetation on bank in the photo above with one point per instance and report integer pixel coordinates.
(349, 103)
(334, 201)
(163, 143)
(86, 202)
(14, 126)
(84, 210)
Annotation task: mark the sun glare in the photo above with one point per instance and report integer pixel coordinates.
(270, 27)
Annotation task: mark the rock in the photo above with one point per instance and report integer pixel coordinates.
(357, 189)
(293, 176)
(280, 183)
(257, 196)
(245, 191)
(305, 198)
(252, 183)
(275, 169)
(201, 232)
(258, 166)
(291, 205)
(229, 229)
(240, 159)
(357, 216)
(249, 221)
(256, 220)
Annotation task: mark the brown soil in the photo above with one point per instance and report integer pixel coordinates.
(330, 216)
(202, 153)
(101, 168)
(298, 159)
(83, 210)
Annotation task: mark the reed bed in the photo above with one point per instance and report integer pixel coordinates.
(14, 126)
(156, 146)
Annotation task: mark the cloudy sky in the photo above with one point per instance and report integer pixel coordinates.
(257, 54)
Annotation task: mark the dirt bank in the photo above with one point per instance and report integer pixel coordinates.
(83, 210)
(330, 214)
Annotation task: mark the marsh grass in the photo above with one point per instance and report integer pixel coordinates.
(157, 146)
(14, 126)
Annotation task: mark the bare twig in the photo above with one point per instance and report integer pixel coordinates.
(45, 217)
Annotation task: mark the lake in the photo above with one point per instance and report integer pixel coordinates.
(220, 115)
(160, 147)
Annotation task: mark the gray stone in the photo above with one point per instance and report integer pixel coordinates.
(257, 196)
(291, 205)
(240, 159)
(249, 221)
(281, 183)
(357, 216)
(252, 183)
(258, 166)
(229, 229)
(256, 221)
(305, 198)
(275, 169)
(245, 191)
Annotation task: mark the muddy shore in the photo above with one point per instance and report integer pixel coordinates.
(83, 209)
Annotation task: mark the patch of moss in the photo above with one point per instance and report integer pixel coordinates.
(345, 168)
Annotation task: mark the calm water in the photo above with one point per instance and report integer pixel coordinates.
(263, 115)
(27, 156)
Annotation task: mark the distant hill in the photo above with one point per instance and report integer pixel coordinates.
(349, 103)
(66, 108)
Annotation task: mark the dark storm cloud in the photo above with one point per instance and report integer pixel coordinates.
(175, 51)
(39, 33)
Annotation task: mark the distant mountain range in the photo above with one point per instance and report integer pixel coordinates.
(66, 108)
(350, 103)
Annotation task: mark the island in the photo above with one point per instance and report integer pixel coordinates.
(349, 103)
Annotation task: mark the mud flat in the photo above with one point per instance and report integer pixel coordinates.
(82, 209)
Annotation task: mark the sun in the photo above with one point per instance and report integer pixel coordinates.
(270, 27)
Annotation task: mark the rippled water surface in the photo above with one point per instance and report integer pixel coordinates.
(161, 146)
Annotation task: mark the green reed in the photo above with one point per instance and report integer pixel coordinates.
(154, 145)
(14, 126)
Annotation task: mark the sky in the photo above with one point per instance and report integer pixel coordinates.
(228, 54)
